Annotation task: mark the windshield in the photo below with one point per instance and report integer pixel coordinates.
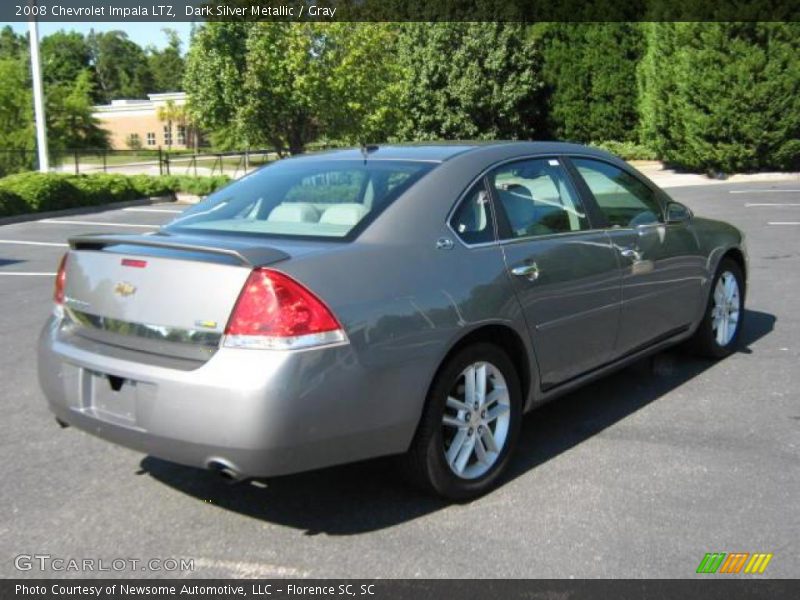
(303, 198)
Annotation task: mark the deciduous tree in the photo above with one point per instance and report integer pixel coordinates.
(121, 66)
(70, 122)
(284, 85)
(167, 65)
(16, 117)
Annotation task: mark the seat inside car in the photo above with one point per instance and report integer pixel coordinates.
(348, 213)
(519, 205)
(294, 212)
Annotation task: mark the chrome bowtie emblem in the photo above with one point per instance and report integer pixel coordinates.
(124, 289)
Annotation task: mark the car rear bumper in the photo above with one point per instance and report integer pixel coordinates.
(258, 412)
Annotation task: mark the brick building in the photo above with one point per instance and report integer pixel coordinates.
(135, 123)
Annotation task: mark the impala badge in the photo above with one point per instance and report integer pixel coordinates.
(124, 289)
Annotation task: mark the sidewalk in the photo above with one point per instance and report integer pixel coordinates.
(667, 178)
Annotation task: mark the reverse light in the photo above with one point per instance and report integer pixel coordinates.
(274, 311)
(61, 280)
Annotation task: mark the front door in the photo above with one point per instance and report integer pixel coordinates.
(661, 267)
(565, 273)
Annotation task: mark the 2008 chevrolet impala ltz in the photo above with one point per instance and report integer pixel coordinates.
(412, 300)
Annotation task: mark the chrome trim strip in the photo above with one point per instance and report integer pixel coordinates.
(156, 333)
(188, 343)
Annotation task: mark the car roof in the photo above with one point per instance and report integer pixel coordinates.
(441, 151)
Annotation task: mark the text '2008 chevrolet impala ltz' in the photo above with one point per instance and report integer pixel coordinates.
(410, 300)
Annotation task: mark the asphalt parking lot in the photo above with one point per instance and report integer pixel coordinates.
(639, 475)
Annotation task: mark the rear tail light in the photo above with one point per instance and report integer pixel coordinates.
(276, 312)
(133, 262)
(61, 280)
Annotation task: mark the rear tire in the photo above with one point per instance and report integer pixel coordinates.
(719, 331)
(469, 426)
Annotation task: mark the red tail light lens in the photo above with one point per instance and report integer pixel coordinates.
(275, 311)
(132, 262)
(61, 280)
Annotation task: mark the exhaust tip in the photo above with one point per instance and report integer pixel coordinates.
(62, 424)
(225, 470)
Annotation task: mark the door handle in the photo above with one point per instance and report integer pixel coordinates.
(634, 255)
(529, 270)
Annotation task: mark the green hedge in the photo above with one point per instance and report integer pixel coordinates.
(11, 203)
(627, 150)
(37, 192)
(722, 96)
(589, 71)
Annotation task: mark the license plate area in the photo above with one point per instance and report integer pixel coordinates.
(111, 398)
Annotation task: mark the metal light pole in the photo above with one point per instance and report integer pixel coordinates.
(38, 97)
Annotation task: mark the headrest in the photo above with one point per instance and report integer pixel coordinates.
(344, 214)
(294, 212)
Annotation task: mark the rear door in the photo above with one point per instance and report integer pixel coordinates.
(661, 266)
(564, 271)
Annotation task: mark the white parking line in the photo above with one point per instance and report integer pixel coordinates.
(65, 222)
(763, 191)
(27, 243)
(759, 204)
(252, 570)
(784, 223)
(152, 210)
(18, 274)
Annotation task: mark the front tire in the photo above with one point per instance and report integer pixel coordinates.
(470, 424)
(721, 327)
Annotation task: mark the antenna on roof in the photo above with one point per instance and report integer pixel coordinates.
(367, 148)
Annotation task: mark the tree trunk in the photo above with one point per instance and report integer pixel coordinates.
(295, 139)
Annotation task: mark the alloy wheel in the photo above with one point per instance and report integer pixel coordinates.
(476, 420)
(726, 308)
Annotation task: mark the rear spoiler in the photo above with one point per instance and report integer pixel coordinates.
(245, 254)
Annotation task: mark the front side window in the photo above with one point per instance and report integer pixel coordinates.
(537, 199)
(472, 220)
(319, 198)
(622, 198)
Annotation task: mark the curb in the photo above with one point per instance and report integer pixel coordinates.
(187, 199)
(83, 210)
(669, 177)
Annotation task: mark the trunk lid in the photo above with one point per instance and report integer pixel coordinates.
(163, 294)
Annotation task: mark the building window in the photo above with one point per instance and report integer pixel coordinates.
(167, 135)
(151, 138)
(181, 135)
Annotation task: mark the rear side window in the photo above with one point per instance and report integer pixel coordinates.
(622, 198)
(537, 199)
(303, 198)
(472, 220)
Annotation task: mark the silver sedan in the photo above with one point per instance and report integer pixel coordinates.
(395, 300)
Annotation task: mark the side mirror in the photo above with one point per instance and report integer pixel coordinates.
(678, 213)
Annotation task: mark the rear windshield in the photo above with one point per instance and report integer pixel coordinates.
(303, 198)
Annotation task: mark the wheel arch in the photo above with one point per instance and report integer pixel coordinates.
(737, 256)
(506, 338)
